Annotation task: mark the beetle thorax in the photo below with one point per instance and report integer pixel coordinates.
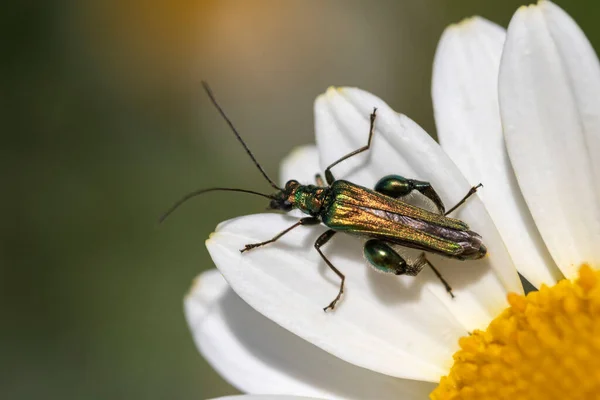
(310, 199)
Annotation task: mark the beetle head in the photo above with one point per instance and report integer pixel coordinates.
(284, 199)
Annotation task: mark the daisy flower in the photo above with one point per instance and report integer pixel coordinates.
(518, 110)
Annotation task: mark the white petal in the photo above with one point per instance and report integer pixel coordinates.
(383, 323)
(465, 99)
(583, 70)
(302, 164)
(398, 326)
(550, 103)
(258, 356)
(400, 146)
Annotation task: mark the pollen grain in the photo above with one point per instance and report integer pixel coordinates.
(546, 345)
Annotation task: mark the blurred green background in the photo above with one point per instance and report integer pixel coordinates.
(104, 126)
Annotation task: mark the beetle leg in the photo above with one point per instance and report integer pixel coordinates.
(321, 240)
(397, 186)
(470, 193)
(385, 259)
(422, 260)
(319, 180)
(303, 221)
(328, 175)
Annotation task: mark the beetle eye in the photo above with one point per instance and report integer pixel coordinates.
(274, 205)
(278, 204)
(291, 184)
(287, 206)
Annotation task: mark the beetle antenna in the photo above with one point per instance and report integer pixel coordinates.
(202, 191)
(237, 135)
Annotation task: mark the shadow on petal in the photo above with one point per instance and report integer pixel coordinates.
(303, 362)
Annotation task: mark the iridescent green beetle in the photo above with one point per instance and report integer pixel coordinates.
(378, 215)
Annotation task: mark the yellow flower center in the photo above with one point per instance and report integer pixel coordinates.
(546, 345)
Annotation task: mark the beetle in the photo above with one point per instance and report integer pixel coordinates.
(379, 215)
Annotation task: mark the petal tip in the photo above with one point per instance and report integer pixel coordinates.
(205, 286)
(474, 24)
(212, 237)
(549, 7)
(204, 290)
(297, 152)
(465, 22)
(332, 91)
(194, 287)
(298, 155)
(220, 226)
(318, 104)
(525, 8)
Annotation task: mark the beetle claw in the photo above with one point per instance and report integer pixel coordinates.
(248, 247)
